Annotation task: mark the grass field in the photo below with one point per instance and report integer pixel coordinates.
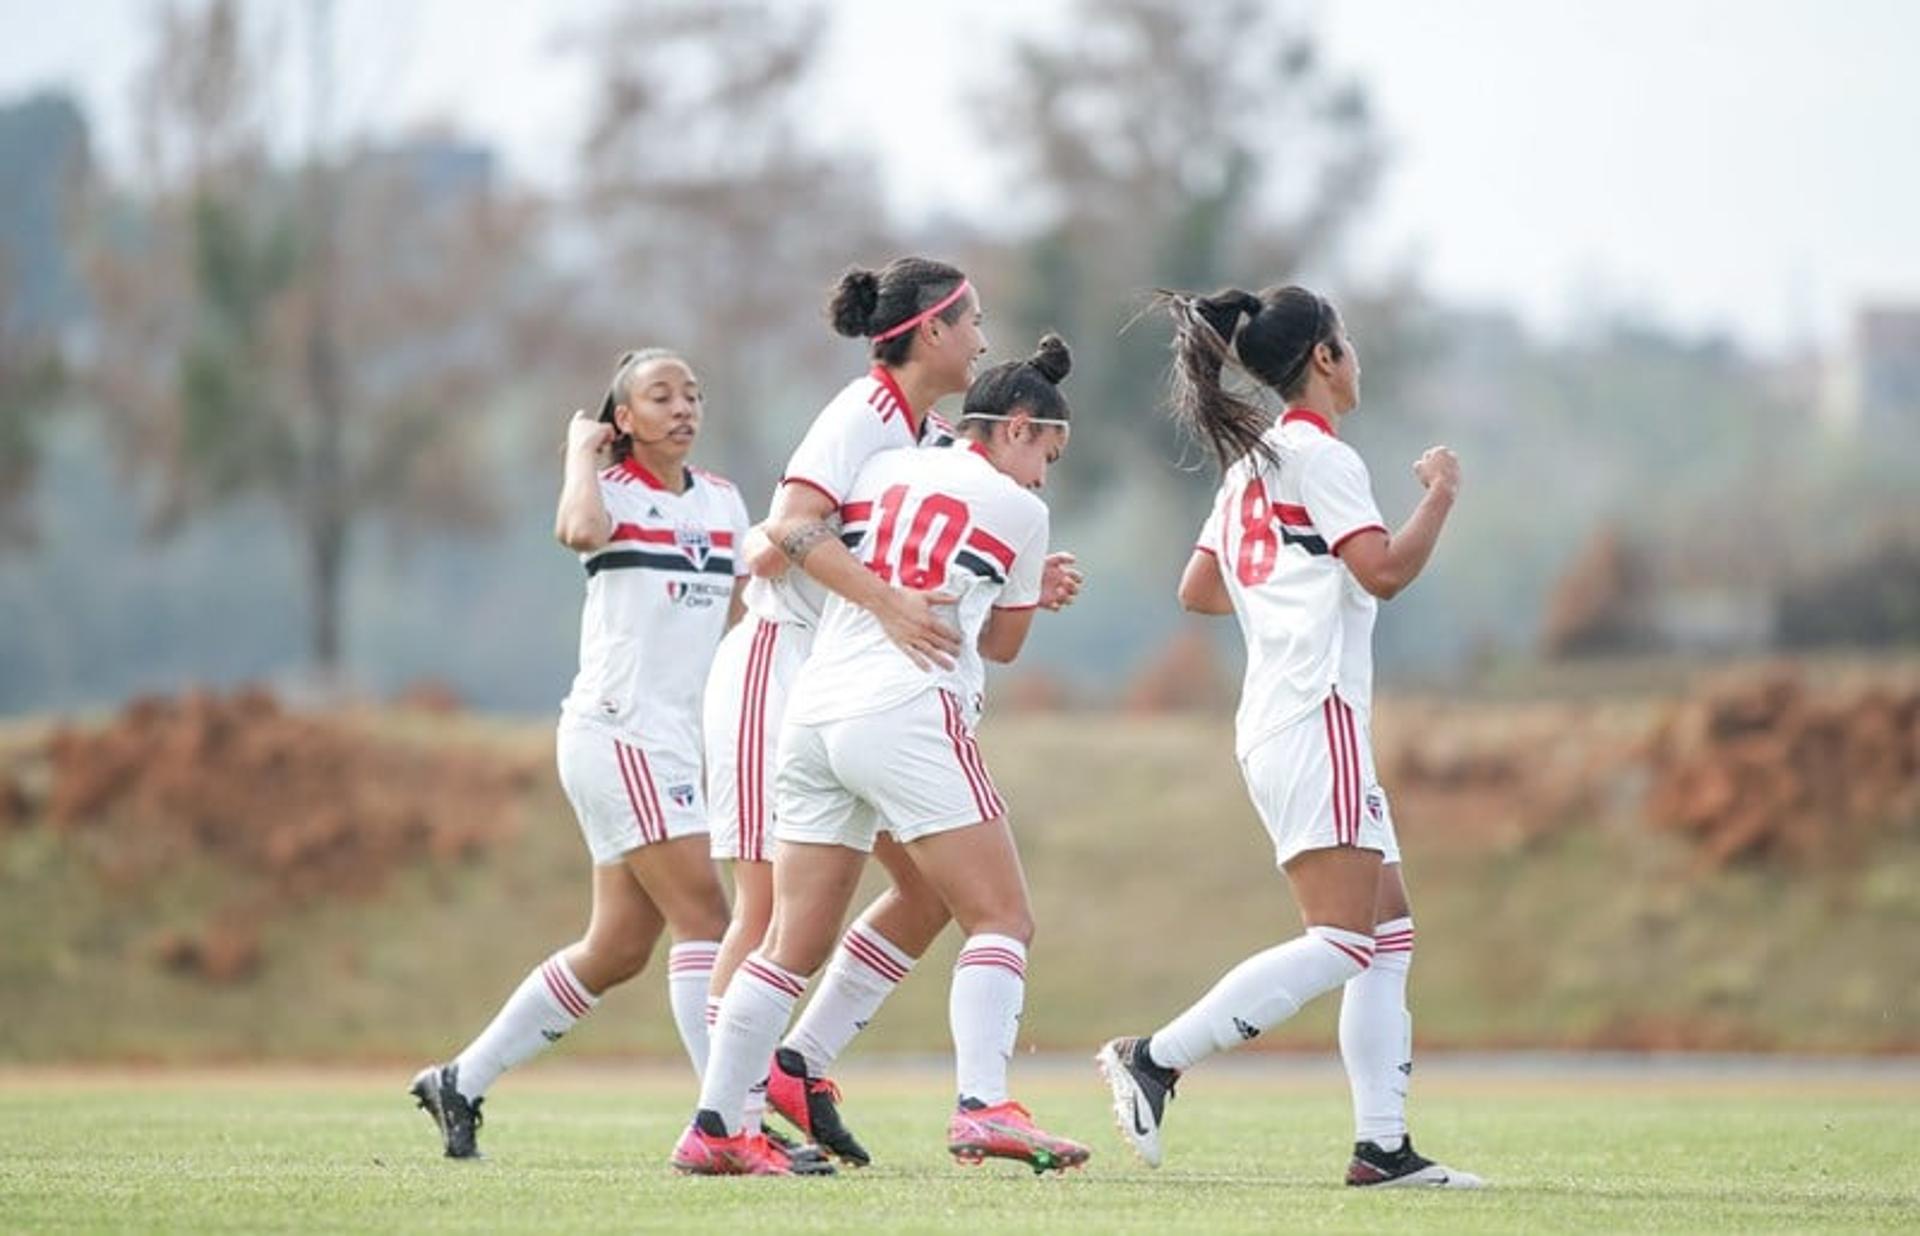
(1251, 1146)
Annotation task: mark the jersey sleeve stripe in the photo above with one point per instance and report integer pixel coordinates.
(815, 485)
(1356, 532)
(986, 542)
(1295, 516)
(979, 566)
(1014, 609)
(853, 512)
(1208, 550)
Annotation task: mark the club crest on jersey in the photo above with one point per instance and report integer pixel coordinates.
(682, 795)
(1377, 805)
(695, 542)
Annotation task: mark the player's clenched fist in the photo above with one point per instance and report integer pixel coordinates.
(585, 434)
(1438, 468)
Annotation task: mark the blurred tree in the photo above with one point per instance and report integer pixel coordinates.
(1179, 145)
(718, 220)
(30, 377)
(314, 336)
(44, 151)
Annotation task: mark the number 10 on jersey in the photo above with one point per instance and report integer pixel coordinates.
(933, 535)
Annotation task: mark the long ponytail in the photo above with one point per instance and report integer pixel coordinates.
(1270, 337)
(1203, 331)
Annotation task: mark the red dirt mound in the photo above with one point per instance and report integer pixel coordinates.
(1761, 765)
(305, 806)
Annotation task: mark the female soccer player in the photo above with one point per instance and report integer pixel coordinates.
(924, 320)
(661, 543)
(877, 739)
(1296, 549)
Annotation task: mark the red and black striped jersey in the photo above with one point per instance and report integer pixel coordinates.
(657, 599)
(1277, 530)
(868, 416)
(943, 520)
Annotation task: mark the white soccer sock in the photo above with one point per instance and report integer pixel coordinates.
(713, 1012)
(689, 971)
(1376, 1037)
(863, 973)
(989, 989)
(540, 1010)
(1260, 993)
(758, 1004)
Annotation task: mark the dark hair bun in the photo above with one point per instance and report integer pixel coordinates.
(1223, 310)
(1052, 358)
(854, 299)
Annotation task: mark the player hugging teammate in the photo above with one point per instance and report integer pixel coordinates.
(838, 721)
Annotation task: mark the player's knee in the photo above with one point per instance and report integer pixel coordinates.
(617, 958)
(1015, 923)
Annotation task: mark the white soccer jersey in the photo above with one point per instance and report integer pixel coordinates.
(1276, 531)
(944, 520)
(657, 599)
(868, 416)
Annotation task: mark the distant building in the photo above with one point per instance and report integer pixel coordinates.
(1874, 387)
(43, 172)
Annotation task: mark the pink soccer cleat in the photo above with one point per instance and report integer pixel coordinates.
(1006, 1131)
(706, 1150)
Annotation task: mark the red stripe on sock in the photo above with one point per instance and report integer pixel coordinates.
(1365, 959)
(862, 950)
(1006, 958)
(773, 978)
(562, 989)
(1016, 971)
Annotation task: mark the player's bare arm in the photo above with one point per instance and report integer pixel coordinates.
(581, 523)
(1202, 589)
(737, 603)
(1384, 565)
(1004, 634)
(798, 527)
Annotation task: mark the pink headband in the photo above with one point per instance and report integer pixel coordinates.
(924, 314)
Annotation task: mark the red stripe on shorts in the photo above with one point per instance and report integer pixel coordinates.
(633, 791)
(1339, 772)
(750, 757)
(968, 756)
(653, 798)
(1355, 773)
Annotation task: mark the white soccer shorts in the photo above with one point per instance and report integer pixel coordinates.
(625, 795)
(745, 702)
(913, 770)
(1315, 787)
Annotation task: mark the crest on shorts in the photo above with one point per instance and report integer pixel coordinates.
(682, 795)
(695, 542)
(1377, 805)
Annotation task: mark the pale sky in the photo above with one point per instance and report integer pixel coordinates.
(1746, 167)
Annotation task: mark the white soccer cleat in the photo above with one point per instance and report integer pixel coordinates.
(1405, 1168)
(1141, 1089)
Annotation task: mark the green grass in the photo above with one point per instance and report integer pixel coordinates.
(1249, 1149)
